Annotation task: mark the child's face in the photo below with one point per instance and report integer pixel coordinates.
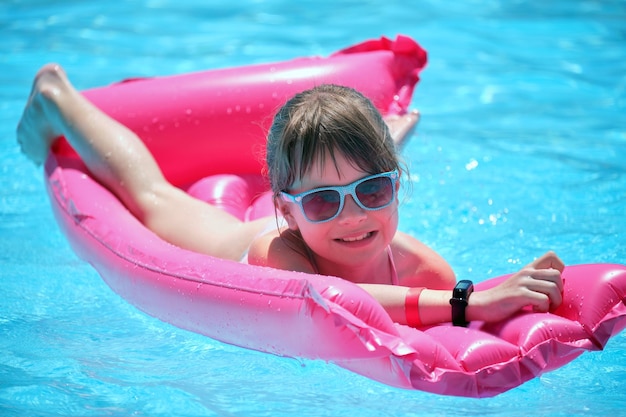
(356, 236)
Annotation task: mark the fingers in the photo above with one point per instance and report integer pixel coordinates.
(549, 260)
(544, 287)
(548, 280)
(548, 283)
(539, 302)
(539, 285)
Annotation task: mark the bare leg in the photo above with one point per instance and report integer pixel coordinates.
(113, 154)
(401, 126)
(119, 160)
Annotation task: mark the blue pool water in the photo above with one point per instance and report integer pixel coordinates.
(521, 149)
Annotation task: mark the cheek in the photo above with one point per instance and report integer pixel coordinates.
(390, 218)
(316, 237)
(310, 231)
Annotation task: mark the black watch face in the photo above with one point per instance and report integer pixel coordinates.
(462, 288)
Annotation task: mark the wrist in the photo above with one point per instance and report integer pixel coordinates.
(411, 307)
(476, 308)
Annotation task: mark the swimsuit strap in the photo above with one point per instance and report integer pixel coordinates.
(392, 267)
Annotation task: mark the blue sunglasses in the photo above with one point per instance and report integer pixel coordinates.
(325, 203)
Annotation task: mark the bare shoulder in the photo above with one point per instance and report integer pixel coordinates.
(281, 250)
(419, 265)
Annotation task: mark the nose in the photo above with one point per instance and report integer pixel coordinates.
(351, 211)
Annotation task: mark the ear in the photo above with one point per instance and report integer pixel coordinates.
(285, 209)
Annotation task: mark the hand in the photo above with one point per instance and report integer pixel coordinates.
(538, 284)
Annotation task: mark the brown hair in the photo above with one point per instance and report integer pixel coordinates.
(327, 119)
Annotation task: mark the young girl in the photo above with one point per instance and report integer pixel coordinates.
(334, 173)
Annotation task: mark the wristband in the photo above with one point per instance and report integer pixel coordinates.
(411, 307)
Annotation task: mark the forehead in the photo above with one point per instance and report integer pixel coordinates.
(327, 171)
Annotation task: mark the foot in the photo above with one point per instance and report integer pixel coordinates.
(39, 125)
(400, 127)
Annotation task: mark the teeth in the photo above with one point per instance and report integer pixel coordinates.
(357, 238)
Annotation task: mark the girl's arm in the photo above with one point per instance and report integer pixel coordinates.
(538, 285)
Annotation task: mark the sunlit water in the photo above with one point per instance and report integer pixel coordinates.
(521, 149)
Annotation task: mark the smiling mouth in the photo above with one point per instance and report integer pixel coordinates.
(356, 238)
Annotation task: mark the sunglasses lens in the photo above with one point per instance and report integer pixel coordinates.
(375, 193)
(321, 205)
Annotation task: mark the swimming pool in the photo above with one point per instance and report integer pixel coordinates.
(520, 150)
